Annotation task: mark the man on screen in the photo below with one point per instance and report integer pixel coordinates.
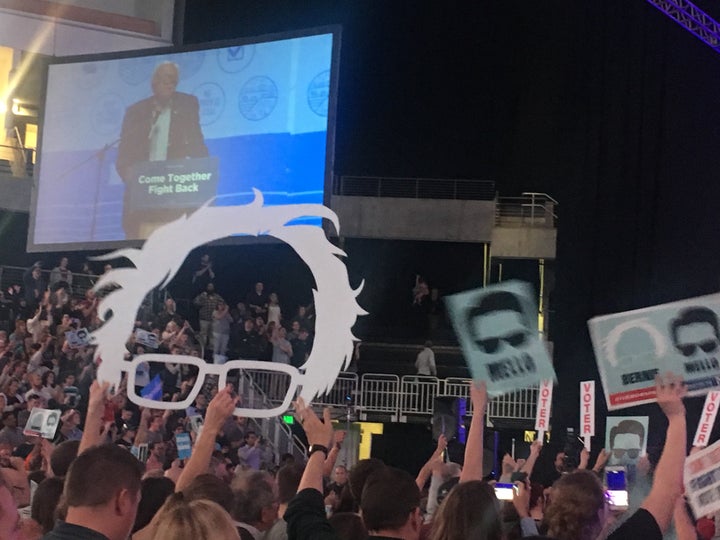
(162, 127)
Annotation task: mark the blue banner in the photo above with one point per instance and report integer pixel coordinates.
(184, 447)
(154, 389)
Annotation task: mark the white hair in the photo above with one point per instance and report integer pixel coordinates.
(160, 258)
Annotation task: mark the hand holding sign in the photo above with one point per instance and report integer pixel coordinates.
(220, 409)
(479, 397)
(535, 447)
(542, 418)
(601, 461)
(670, 393)
(99, 395)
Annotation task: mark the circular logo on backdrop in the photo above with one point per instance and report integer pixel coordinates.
(212, 102)
(137, 70)
(90, 74)
(235, 59)
(107, 114)
(188, 63)
(258, 98)
(318, 92)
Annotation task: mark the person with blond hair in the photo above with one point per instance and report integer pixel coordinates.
(179, 519)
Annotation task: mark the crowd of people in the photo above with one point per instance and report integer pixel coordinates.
(112, 469)
(460, 502)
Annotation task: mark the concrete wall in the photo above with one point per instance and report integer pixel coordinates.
(15, 193)
(415, 219)
(524, 242)
(397, 219)
(63, 38)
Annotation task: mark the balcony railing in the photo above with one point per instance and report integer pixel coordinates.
(528, 210)
(397, 397)
(414, 188)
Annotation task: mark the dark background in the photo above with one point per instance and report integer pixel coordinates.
(608, 106)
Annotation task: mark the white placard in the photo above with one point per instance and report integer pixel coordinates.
(587, 411)
(77, 338)
(148, 339)
(161, 257)
(542, 418)
(497, 329)
(631, 348)
(707, 420)
(702, 480)
(42, 423)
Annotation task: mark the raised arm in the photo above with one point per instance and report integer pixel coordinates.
(584, 459)
(473, 468)
(305, 515)
(600, 461)
(92, 434)
(336, 441)
(141, 435)
(529, 464)
(318, 433)
(436, 457)
(668, 483)
(218, 411)
(684, 527)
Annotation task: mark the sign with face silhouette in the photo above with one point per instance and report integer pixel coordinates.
(497, 329)
(626, 439)
(631, 348)
(42, 423)
(160, 258)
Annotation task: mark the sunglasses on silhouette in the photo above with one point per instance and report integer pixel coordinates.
(491, 345)
(632, 453)
(688, 349)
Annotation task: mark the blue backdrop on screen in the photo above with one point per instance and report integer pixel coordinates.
(263, 112)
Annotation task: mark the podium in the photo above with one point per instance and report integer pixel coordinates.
(161, 191)
(175, 183)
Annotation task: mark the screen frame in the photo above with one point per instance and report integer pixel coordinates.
(334, 30)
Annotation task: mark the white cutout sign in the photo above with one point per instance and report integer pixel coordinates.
(707, 420)
(587, 411)
(702, 480)
(542, 418)
(162, 255)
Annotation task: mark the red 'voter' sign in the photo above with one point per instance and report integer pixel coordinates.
(542, 419)
(587, 408)
(707, 420)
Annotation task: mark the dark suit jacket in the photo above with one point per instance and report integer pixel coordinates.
(185, 138)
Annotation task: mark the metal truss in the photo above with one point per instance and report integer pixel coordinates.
(692, 18)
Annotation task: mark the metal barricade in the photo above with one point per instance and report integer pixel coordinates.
(379, 393)
(280, 437)
(417, 394)
(516, 405)
(342, 394)
(519, 405)
(273, 429)
(459, 388)
(13, 275)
